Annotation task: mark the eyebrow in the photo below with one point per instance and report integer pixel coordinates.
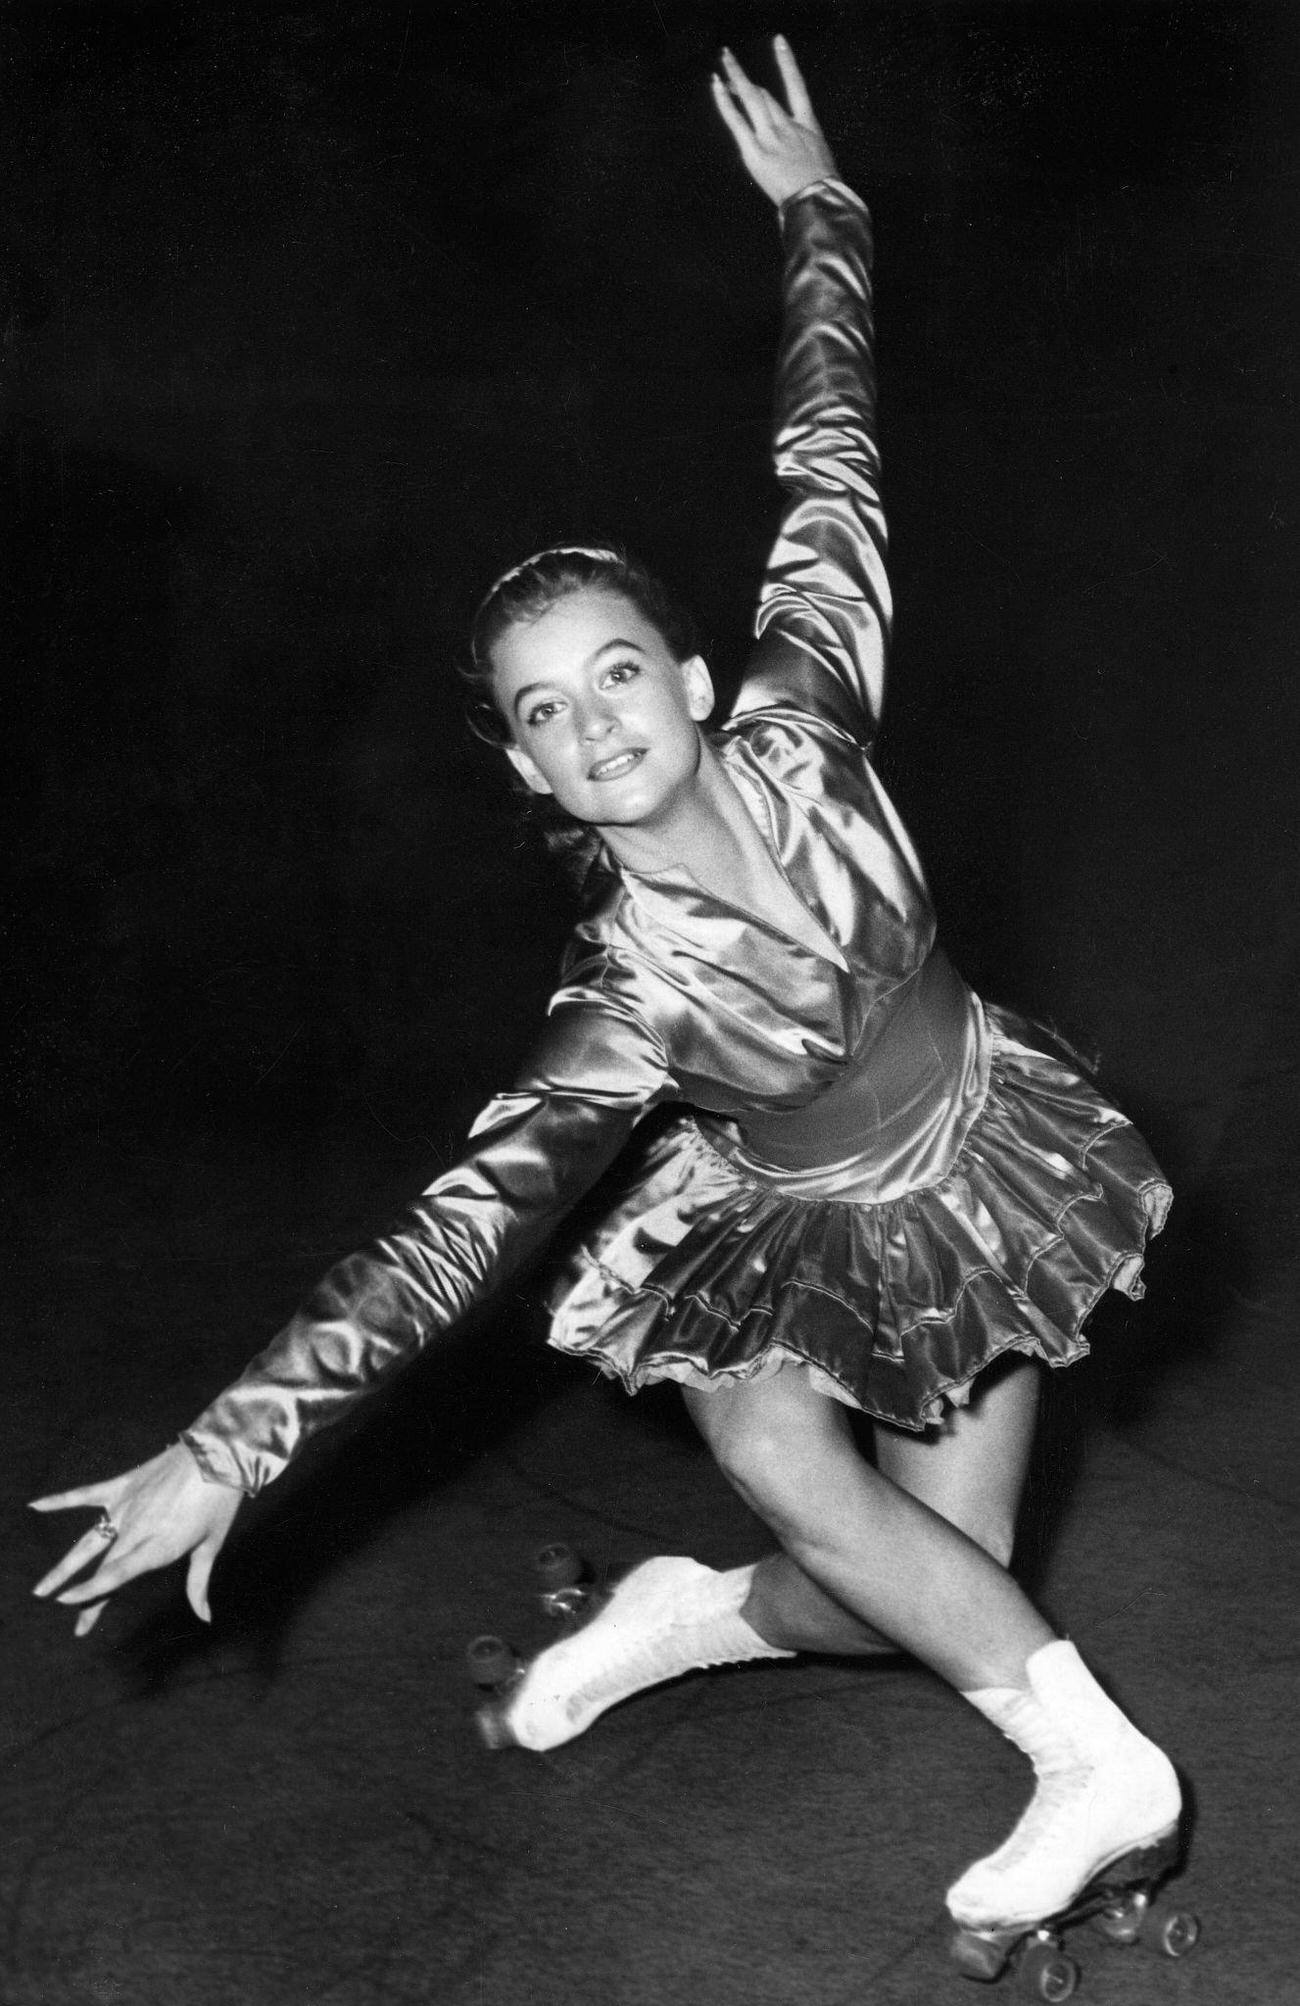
(605, 647)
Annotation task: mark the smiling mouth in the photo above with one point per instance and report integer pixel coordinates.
(615, 768)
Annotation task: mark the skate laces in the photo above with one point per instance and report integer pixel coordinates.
(1079, 1819)
(667, 1617)
(1059, 1798)
(640, 1662)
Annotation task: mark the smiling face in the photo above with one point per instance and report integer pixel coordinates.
(602, 714)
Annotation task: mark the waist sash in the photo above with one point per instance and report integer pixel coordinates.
(897, 1114)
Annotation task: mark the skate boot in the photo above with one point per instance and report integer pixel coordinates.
(668, 1616)
(1099, 1835)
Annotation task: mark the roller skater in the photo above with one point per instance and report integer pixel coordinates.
(880, 1193)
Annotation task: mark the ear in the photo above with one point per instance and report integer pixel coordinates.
(699, 687)
(527, 770)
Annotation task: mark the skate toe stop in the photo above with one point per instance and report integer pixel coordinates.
(494, 1729)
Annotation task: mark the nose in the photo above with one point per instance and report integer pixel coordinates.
(595, 720)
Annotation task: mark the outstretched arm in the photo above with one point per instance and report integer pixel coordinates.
(532, 1155)
(824, 608)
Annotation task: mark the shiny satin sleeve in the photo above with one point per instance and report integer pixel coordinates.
(533, 1152)
(824, 607)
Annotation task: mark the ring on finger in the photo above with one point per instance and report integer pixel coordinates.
(104, 1528)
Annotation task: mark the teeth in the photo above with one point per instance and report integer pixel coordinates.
(608, 767)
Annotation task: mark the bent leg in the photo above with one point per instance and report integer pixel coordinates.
(971, 1469)
(1102, 1791)
(878, 1553)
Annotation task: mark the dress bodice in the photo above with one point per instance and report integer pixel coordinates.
(748, 1018)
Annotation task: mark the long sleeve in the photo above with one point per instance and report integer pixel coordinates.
(823, 613)
(534, 1152)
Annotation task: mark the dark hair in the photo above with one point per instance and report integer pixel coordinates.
(523, 594)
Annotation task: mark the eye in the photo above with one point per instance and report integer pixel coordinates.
(541, 713)
(622, 672)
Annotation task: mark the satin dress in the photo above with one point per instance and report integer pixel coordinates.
(871, 1176)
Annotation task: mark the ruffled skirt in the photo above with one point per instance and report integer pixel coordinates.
(704, 1273)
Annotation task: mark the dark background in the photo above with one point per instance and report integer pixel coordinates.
(322, 314)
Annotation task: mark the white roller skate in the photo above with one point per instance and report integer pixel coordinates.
(667, 1616)
(1097, 1839)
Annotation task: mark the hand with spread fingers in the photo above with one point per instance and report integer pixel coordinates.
(146, 1519)
(783, 150)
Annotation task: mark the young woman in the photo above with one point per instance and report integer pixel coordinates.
(886, 1197)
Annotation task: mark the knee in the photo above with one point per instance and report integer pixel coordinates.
(763, 1464)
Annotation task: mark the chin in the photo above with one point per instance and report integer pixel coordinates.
(641, 813)
(620, 804)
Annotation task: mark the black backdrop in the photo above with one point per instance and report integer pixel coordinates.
(321, 314)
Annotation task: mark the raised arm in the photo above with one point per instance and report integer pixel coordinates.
(824, 608)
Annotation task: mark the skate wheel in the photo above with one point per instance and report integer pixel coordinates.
(557, 1566)
(1045, 1972)
(1122, 1922)
(491, 1662)
(563, 1582)
(980, 1957)
(1171, 1931)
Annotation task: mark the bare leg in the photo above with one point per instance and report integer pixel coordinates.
(887, 1561)
(876, 1552)
(971, 1469)
(789, 1608)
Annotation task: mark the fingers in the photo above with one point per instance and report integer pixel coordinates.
(796, 91)
(731, 117)
(89, 1547)
(158, 1513)
(756, 103)
(89, 1494)
(116, 1571)
(196, 1580)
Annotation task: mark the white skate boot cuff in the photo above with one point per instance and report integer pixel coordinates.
(715, 1607)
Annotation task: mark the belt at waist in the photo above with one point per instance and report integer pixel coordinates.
(898, 1112)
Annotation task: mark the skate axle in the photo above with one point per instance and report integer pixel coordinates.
(565, 1583)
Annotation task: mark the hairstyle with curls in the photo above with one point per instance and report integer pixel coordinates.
(522, 595)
